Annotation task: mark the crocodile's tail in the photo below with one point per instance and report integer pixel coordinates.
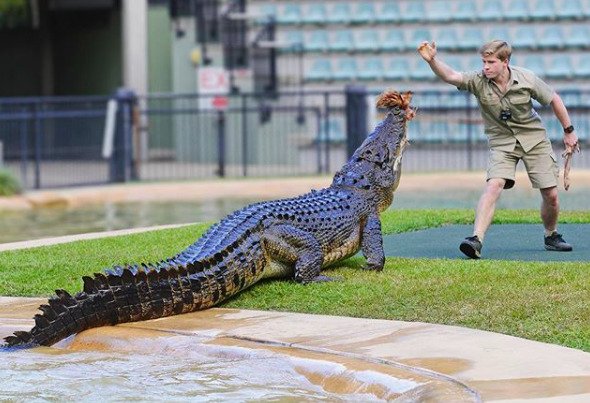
(132, 294)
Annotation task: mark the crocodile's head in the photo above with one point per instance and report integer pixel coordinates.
(376, 165)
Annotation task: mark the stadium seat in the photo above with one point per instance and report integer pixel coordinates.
(536, 64)
(317, 41)
(579, 36)
(570, 9)
(525, 38)
(421, 71)
(339, 14)
(559, 67)
(414, 12)
(389, 12)
(420, 35)
(293, 41)
(439, 11)
(517, 10)
(474, 63)
(466, 11)
(543, 10)
(342, 41)
(321, 70)
(265, 12)
(447, 38)
(291, 14)
(499, 32)
(346, 69)
(551, 38)
(364, 13)
(334, 132)
(371, 70)
(315, 14)
(394, 39)
(582, 69)
(471, 39)
(398, 69)
(455, 62)
(491, 10)
(367, 40)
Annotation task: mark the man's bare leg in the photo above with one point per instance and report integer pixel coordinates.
(487, 206)
(549, 209)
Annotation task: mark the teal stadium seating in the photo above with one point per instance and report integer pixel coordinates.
(397, 69)
(346, 69)
(447, 38)
(342, 41)
(560, 67)
(414, 12)
(339, 13)
(317, 41)
(582, 69)
(570, 9)
(393, 40)
(471, 39)
(321, 70)
(371, 70)
(466, 11)
(543, 10)
(536, 64)
(499, 32)
(491, 10)
(439, 11)
(364, 13)
(517, 10)
(388, 13)
(551, 37)
(367, 40)
(525, 37)
(578, 37)
(315, 14)
(290, 14)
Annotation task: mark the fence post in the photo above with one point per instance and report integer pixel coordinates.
(121, 168)
(356, 117)
(221, 143)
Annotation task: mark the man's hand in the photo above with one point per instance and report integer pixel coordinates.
(570, 140)
(427, 51)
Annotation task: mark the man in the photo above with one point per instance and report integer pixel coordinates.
(514, 132)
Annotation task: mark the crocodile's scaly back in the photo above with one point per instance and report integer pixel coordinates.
(293, 238)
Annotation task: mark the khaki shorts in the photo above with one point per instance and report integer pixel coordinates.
(540, 163)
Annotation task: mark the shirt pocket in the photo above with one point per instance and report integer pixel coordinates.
(521, 107)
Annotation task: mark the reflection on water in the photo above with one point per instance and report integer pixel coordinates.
(157, 370)
(50, 222)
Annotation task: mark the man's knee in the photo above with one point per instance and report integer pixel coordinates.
(495, 186)
(550, 196)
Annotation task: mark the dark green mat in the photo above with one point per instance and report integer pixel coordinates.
(503, 241)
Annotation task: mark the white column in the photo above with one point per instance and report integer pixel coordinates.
(134, 20)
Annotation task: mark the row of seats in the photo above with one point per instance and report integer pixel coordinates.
(575, 36)
(415, 11)
(400, 69)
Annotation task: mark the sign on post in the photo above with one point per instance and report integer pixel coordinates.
(213, 85)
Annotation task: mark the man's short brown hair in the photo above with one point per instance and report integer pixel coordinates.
(501, 49)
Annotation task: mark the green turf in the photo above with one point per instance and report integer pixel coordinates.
(545, 301)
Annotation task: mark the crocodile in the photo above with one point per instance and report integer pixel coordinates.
(287, 238)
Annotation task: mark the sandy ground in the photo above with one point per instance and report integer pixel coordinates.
(244, 188)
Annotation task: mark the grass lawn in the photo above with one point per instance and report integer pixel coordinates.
(544, 301)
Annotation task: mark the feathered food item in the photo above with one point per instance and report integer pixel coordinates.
(567, 165)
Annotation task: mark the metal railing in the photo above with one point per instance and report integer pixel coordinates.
(65, 141)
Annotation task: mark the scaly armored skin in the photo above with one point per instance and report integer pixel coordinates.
(293, 237)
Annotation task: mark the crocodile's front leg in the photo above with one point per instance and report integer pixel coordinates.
(372, 243)
(292, 245)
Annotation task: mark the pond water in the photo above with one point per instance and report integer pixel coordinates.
(181, 368)
(57, 221)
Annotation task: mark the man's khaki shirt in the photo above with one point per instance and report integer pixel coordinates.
(525, 124)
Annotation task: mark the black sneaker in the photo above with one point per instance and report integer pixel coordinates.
(555, 242)
(471, 246)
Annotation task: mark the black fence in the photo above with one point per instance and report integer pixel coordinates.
(67, 141)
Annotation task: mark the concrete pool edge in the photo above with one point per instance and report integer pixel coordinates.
(498, 367)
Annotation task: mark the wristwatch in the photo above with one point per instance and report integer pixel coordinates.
(568, 129)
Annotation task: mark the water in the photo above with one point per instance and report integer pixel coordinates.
(177, 368)
(57, 221)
